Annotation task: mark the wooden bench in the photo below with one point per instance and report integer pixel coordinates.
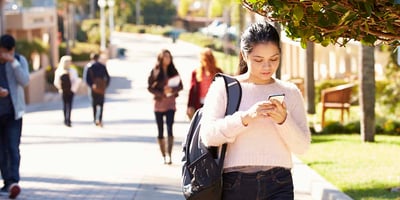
(338, 97)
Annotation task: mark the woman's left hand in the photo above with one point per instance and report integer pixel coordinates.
(277, 111)
(168, 91)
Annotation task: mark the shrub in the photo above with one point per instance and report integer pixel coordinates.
(27, 48)
(333, 127)
(50, 74)
(81, 51)
(391, 127)
(352, 127)
(91, 30)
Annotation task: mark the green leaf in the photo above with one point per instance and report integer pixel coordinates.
(389, 27)
(368, 40)
(368, 9)
(326, 41)
(277, 4)
(316, 6)
(322, 21)
(366, 27)
(298, 13)
(347, 18)
(303, 43)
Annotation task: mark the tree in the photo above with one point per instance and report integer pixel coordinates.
(183, 7)
(2, 18)
(68, 19)
(337, 22)
(158, 12)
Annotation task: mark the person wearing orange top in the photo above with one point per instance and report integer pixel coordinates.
(201, 80)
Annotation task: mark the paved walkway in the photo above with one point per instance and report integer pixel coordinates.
(120, 161)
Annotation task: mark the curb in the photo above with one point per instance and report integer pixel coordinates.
(317, 186)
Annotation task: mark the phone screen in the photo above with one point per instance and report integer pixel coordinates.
(278, 97)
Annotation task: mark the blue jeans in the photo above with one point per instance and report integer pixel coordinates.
(10, 138)
(169, 115)
(274, 184)
(97, 101)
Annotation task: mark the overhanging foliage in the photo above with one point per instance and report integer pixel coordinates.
(337, 22)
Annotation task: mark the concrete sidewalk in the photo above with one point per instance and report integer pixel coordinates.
(121, 161)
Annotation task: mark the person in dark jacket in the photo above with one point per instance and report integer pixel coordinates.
(97, 71)
(164, 83)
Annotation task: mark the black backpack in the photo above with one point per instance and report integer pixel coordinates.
(65, 83)
(202, 167)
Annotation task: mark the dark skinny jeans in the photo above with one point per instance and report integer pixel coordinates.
(274, 184)
(10, 139)
(169, 115)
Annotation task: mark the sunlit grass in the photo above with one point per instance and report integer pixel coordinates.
(361, 170)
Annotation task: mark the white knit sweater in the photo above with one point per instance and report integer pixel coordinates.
(263, 142)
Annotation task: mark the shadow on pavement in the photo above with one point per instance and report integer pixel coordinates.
(81, 188)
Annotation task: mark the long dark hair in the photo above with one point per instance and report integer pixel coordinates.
(259, 32)
(171, 70)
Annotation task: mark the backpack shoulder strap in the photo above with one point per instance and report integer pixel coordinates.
(17, 56)
(234, 93)
(234, 96)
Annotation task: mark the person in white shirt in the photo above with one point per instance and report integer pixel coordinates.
(67, 82)
(263, 133)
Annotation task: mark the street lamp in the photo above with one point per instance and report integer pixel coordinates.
(111, 4)
(102, 5)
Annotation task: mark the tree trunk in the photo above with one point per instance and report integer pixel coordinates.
(67, 28)
(92, 9)
(367, 94)
(309, 82)
(2, 18)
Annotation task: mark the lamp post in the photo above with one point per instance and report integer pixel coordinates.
(137, 12)
(102, 5)
(111, 4)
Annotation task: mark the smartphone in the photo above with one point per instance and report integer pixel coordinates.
(278, 97)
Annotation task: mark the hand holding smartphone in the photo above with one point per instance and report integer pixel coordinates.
(7, 56)
(3, 92)
(278, 97)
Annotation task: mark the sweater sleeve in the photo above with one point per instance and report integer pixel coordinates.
(216, 128)
(21, 71)
(295, 131)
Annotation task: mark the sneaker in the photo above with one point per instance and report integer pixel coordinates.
(13, 191)
(3, 191)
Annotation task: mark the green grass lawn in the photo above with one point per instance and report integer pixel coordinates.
(361, 170)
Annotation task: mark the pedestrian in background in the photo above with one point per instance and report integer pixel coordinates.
(94, 57)
(14, 76)
(67, 82)
(263, 133)
(165, 83)
(98, 79)
(201, 79)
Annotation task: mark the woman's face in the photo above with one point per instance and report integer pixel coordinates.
(262, 62)
(166, 59)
